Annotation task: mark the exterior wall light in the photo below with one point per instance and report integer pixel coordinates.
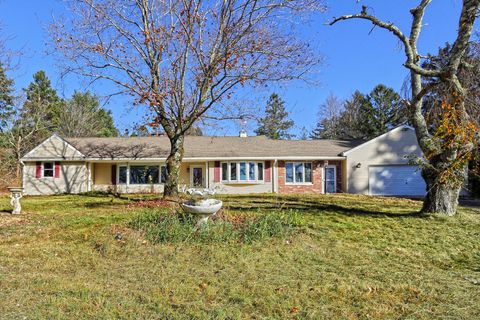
(358, 166)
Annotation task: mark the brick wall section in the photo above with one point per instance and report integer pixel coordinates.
(317, 179)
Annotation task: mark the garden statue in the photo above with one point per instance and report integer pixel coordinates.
(16, 195)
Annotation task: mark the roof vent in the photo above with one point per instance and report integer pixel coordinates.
(243, 133)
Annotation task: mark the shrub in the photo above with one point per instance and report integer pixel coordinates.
(161, 227)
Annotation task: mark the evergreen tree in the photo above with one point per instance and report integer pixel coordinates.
(384, 110)
(42, 97)
(362, 116)
(317, 131)
(275, 124)
(6, 98)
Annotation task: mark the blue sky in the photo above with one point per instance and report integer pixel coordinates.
(354, 57)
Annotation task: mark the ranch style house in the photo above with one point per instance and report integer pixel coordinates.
(234, 165)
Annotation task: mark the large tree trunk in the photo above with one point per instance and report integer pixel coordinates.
(442, 196)
(174, 160)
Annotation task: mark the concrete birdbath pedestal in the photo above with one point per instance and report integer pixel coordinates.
(16, 193)
(200, 205)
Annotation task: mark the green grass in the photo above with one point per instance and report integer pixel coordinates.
(350, 257)
(178, 227)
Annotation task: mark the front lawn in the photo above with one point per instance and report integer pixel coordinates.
(349, 257)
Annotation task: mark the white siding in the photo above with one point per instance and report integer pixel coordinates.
(54, 148)
(73, 179)
(393, 148)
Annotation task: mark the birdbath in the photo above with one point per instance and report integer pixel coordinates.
(200, 204)
(16, 193)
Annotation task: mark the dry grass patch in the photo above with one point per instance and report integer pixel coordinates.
(354, 257)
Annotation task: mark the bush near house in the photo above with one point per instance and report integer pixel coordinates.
(339, 257)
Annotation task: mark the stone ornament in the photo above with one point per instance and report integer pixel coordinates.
(16, 193)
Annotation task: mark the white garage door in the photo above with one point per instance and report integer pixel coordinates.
(396, 181)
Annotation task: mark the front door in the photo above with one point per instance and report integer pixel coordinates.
(196, 177)
(330, 179)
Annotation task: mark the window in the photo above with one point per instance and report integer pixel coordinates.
(224, 171)
(122, 175)
(242, 171)
(233, 171)
(251, 171)
(308, 172)
(298, 172)
(289, 172)
(143, 174)
(48, 169)
(163, 175)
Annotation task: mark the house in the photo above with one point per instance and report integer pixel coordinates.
(232, 164)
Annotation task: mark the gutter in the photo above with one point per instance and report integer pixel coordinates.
(190, 159)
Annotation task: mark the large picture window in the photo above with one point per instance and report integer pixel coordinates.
(298, 172)
(142, 174)
(242, 171)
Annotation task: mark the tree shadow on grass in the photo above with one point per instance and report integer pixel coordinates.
(315, 207)
(96, 205)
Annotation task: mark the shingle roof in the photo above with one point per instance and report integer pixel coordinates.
(209, 147)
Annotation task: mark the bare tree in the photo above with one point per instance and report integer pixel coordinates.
(82, 116)
(447, 148)
(183, 57)
(328, 119)
(21, 136)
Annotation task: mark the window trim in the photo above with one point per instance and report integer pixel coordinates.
(53, 170)
(303, 173)
(247, 168)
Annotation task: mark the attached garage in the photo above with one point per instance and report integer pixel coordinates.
(381, 166)
(396, 180)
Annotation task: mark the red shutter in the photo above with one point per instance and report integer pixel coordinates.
(38, 170)
(268, 175)
(216, 172)
(57, 169)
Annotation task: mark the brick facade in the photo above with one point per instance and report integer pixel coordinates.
(317, 178)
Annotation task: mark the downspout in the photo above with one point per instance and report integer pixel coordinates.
(23, 173)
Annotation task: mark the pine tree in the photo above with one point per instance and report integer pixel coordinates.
(42, 97)
(383, 111)
(6, 98)
(317, 131)
(275, 124)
